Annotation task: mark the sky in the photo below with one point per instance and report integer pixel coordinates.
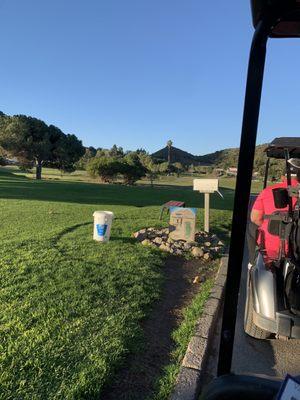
(137, 73)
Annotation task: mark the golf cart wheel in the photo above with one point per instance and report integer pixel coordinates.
(250, 328)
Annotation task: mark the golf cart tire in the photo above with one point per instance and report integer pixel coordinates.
(249, 326)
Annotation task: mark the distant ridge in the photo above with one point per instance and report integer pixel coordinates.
(177, 155)
(221, 158)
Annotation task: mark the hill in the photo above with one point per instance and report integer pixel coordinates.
(220, 159)
(177, 155)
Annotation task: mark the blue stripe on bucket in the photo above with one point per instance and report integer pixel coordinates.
(101, 229)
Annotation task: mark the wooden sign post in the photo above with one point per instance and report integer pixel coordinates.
(206, 212)
(206, 186)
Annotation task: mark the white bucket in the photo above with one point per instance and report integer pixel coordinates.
(102, 225)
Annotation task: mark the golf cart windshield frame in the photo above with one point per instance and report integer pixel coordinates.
(266, 16)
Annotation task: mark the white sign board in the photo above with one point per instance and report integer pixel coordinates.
(206, 185)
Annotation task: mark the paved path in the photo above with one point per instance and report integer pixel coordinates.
(268, 357)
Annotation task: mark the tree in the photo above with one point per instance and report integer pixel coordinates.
(89, 153)
(152, 168)
(169, 145)
(163, 167)
(141, 151)
(26, 137)
(32, 140)
(178, 168)
(116, 151)
(105, 167)
(152, 172)
(145, 159)
(2, 152)
(102, 152)
(67, 150)
(2, 161)
(132, 168)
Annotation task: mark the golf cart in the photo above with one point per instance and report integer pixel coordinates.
(271, 19)
(273, 290)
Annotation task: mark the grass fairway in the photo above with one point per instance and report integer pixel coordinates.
(70, 308)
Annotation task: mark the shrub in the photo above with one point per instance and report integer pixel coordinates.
(105, 167)
(132, 169)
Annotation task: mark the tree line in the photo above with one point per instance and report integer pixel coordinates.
(37, 144)
(109, 164)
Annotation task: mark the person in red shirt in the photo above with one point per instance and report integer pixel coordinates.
(264, 205)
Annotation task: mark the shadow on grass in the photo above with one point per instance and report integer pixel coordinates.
(70, 229)
(123, 239)
(22, 188)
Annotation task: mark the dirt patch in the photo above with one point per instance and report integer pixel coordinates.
(136, 379)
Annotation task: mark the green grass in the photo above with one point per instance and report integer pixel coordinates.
(184, 180)
(181, 337)
(70, 308)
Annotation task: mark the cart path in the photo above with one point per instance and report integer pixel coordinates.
(268, 357)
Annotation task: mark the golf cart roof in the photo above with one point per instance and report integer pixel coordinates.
(285, 13)
(277, 147)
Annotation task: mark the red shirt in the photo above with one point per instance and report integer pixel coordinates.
(265, 203)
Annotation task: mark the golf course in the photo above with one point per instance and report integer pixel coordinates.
(70, 307)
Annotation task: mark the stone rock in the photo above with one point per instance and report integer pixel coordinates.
(164, 247)
(140, 236)
(197, 252)
(158, 240)
(206, 246)
(187, 246)
(178, 252)
(177, 245)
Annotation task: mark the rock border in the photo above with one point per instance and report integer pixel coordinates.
(188, 383)
(206, 246)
